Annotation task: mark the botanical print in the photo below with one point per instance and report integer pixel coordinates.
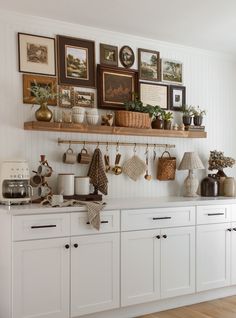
(83, 99)
(172, 71)
(37, 53)
(66, 96)
(117, 88)
(148, 65)
(76, 62)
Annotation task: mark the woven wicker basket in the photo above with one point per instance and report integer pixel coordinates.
(124, 118)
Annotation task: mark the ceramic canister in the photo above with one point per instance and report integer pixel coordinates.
(229, 187)
(82, 185)
(65, 183)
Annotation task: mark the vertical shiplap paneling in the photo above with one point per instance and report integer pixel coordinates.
(209, 79)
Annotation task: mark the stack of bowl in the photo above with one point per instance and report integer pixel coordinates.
(78, 114)
(92, 116)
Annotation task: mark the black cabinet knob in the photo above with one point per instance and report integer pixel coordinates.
(67, 246)
(76, 245)
(158, 237)
(164, 236)
(234, 228)
(229, 230)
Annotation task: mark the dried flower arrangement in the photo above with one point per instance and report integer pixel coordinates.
(218, 161)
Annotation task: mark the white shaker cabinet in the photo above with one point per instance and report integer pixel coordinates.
(94, 273)
(213, 256)
(157, 264)
(41, 278)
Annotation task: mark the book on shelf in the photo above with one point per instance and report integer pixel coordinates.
(195, 128)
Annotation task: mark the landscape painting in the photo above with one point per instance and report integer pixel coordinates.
(77, 63)
(172, 71)
(149, 65)
(66, 96)
(84, 99)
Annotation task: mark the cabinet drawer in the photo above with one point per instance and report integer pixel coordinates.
(213, 214)
(110, 222)
(233, 212)
(156, 218)
(27, 227)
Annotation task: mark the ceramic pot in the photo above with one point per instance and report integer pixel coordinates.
(197, 120)
(210, 186)
(187, 120)
(167, 124)
(229, 187)
(158, 123)
(43, 113)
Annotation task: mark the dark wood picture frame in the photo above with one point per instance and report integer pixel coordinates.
(126, 56)
(118, 79)
(66, 96)
(28, 81)
(146, 71)
(108, 54)
(79, 73)
(177, 101)
(152, 94)
(37, 57)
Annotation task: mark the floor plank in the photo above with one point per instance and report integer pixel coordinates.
(219, 308)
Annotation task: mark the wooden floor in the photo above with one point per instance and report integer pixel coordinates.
(220, 308)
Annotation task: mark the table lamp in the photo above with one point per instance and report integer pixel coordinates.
(190, 161)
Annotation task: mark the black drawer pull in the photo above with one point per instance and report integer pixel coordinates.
(162, 218)
(234, 229)
(164, 236)
(212, 214)
(229, 230)
(42, 226)
(158, 237)
(102, 222)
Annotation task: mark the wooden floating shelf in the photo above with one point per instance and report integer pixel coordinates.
(107, 130)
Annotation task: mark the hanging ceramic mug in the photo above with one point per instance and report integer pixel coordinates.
(44, 190)
(44, 170)
(36, 180)
(69, 156)
(84, 157)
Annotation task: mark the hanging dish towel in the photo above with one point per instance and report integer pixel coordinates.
(97, 172)
(134, 167)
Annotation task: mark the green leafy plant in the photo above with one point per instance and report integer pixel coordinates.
(42, 93)
(136, 105)
(187, 110)
(198, 112)
(167, 116)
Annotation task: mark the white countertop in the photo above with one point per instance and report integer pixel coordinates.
(121, 204)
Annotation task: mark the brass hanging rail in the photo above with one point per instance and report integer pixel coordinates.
(110, 143)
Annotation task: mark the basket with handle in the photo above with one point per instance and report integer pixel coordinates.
(166, 167)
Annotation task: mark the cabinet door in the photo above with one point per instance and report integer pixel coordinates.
(140, 267)
(177, 261)
(94, 273)
(233, 254)
(213, 256)
(41, 279)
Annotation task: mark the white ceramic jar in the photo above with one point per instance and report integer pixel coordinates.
(65, 184)
(82, 185)
(229, 187)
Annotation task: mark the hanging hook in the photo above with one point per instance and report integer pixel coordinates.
(84, 146)
(98, 144)
(117, 146)
(154, 152)
(147, 149)
(135, 145)
(107, 146)
(70, 144)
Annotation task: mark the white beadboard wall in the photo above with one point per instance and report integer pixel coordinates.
(209, 78)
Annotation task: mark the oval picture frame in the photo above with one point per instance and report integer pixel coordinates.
(126, 56)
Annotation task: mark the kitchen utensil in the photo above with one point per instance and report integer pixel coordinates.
(83, 156)
(117, 169)
(65, 183)
(147, 176)
(107, 160)
(69, 156)
(82, 185)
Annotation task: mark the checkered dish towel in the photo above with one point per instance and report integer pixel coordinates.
(97, 172)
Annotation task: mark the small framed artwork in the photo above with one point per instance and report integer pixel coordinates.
(171, 71)
(126, 56)
(149, 65)
(43, 81)
(116, 86)
(84, 99)
(36, 54)
(154, 94)
(177, 97)
(108, 55)
(66, 96)
(76, 61)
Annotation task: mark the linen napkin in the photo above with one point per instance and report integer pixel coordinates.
(97, 172)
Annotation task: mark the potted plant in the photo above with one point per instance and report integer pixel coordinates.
(135, 115)
(187, 114)
(42, 95)
(198, 115)
(157, 119)
(167, 117)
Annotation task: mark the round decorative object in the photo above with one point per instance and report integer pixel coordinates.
(43, 113)
(126, 56)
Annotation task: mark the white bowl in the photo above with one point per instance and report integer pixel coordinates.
(92, 119)
(78, 110)
(92, 111)
(78, 118)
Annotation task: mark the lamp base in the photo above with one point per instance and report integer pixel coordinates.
(191, 185)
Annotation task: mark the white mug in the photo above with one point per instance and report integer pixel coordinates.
(66, 184)
(44, 190)
(55, 199)
(44, 170)
(82, 185)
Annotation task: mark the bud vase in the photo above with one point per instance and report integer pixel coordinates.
(43, 113)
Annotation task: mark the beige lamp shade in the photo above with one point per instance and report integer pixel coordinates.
(190, 161)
